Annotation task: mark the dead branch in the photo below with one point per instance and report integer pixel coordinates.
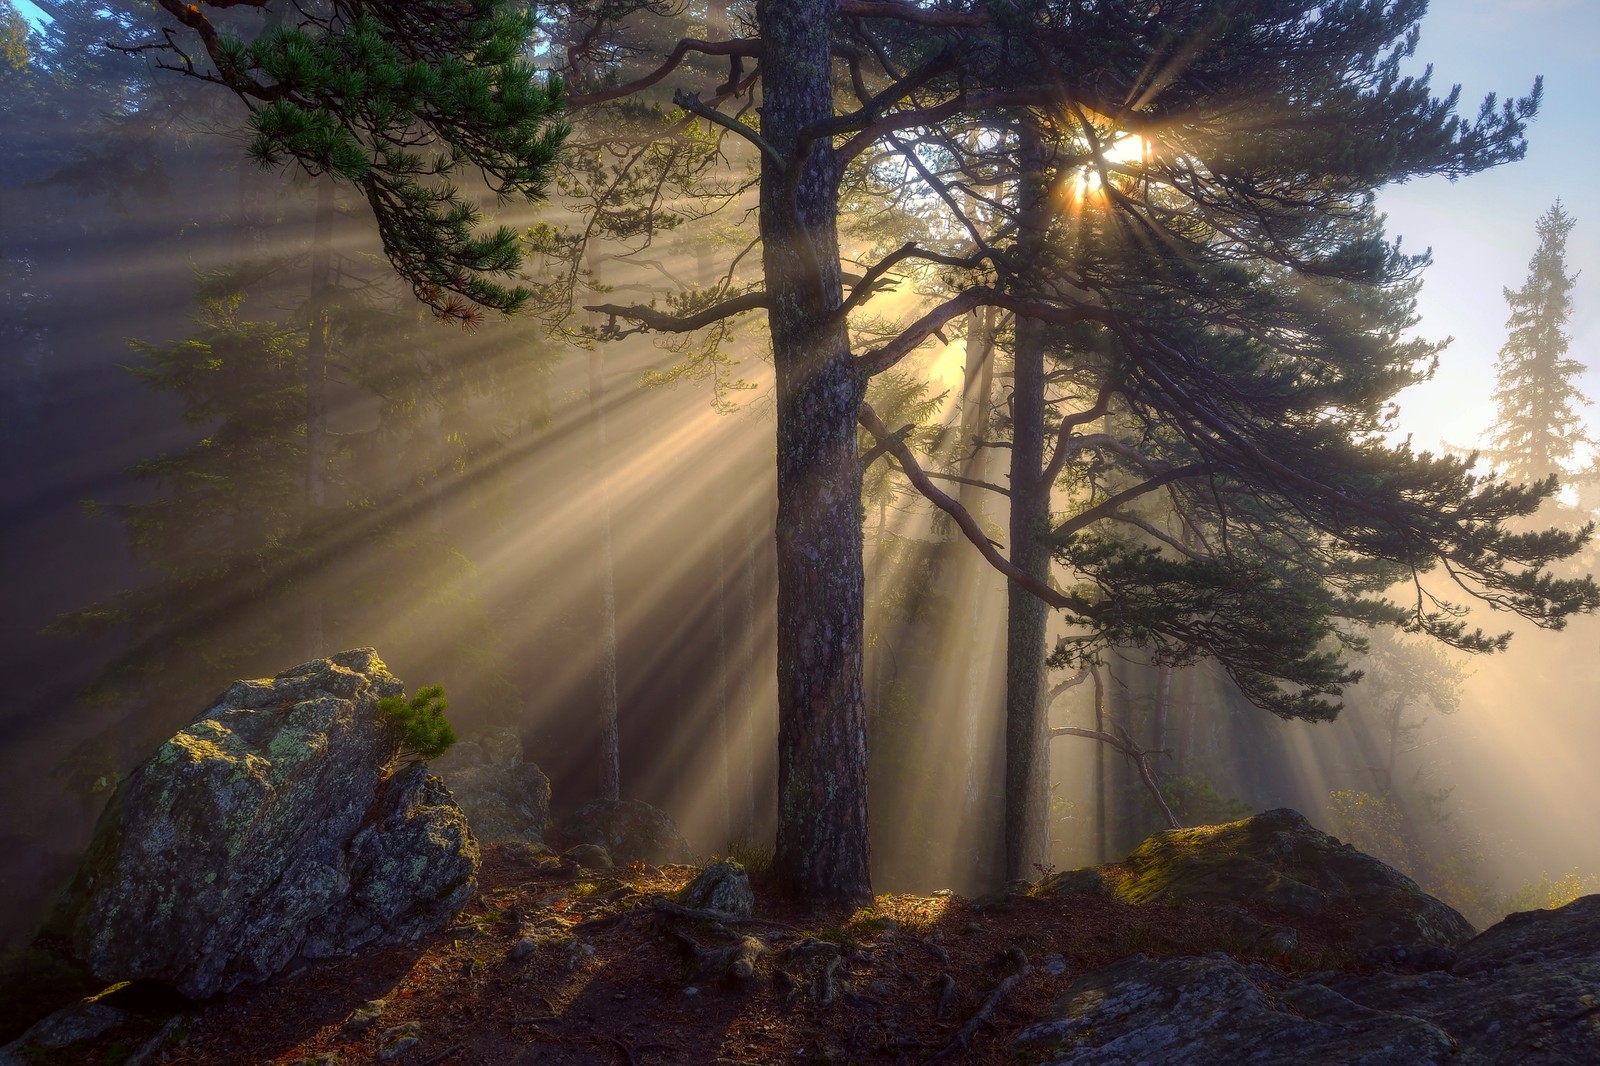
(1140, 757)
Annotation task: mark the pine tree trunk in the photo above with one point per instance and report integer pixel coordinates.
(821, 850)
(1027, 829)
(610, 780)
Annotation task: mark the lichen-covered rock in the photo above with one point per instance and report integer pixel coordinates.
(1281, 861)
(1525, 992)
(724, 887)
(1570, 932)
(505, 796)
(268, 829)
(631, 830)
(1208, 1011)
(54, 1038)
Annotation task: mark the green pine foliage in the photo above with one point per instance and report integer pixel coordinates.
(420, 727)
(397, 100)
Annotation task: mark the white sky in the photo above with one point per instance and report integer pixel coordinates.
(1481, 228)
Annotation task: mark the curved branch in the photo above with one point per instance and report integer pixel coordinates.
(736, 47)
(650, 318)
(1140, 756)
(1107, 508)
(964, 520)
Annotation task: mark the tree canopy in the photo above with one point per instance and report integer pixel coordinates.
(1228, 294)
(395, 99)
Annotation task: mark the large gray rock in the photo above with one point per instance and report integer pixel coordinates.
(1209, 1010)
(631, 830)
(1282, 863)
(1526, 992)
(269, 829)
(724, 887)
(505, 797)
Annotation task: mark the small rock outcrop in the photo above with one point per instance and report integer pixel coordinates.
(505, 796)
(1280, 861)
(631, 830)
(269, 829)
(1207, 1010)
(1524, 992)
(724, 887)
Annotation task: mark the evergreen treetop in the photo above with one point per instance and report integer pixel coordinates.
(1537, 431)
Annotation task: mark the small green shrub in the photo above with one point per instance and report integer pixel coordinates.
(423, 730)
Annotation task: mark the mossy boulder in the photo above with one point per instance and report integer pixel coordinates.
(724, 887)
(1282, 863)
(270, 828)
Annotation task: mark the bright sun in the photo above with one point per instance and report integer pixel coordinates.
(1089, 182)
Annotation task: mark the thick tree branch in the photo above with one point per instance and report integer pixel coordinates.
(964, 520)
(1058, 457)
(736, 47)
(863, 289)
(880, 359)
(1105, 508)
(651, 319)
(690, 102)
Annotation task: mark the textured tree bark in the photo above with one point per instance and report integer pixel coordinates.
(1027, 804)
(821, 849)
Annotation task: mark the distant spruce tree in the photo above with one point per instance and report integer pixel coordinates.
(1537, 431)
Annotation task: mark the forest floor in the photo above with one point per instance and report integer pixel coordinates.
(550, 968)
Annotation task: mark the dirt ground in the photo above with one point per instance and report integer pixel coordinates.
(551, 966)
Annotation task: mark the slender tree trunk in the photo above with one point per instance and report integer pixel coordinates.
(724, 668)
(610, 783)
(1027, 829)
(1161, 716)
(977, 388)
(821, 850)
(745, 792)
(317, 338)
(1185, 704)
(1099, 766)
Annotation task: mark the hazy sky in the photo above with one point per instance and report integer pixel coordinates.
(1481, 228)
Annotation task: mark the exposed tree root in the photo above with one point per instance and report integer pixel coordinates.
(947, 995)
(963, 1038)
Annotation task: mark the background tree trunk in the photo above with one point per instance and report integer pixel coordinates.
(1027, 803)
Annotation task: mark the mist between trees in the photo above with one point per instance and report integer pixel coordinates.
(982, 408)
